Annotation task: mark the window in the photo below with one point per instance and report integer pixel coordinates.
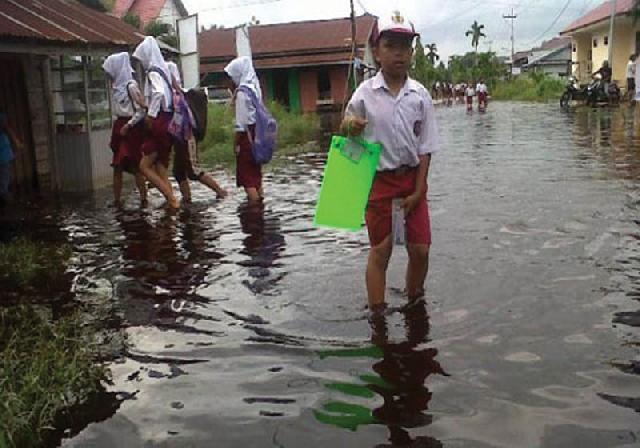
(324, 85)
(595, 42)
(77, 81)
(606, 40)
(574, 48)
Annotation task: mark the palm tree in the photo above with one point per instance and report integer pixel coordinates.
(432, 54)
(476, 33)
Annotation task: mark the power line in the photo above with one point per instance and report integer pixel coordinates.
(562, 11)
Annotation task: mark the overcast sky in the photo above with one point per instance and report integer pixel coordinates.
(441, 21)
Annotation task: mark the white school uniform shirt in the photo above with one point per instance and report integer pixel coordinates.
(245, 112)
(631, 70)
(158, 94)
(128, 109)
(481, 88)
(405, 125)
(470, 91)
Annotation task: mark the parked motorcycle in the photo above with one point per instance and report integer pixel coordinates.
(573, 92)
(596, 93)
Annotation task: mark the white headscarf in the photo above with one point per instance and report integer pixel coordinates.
(118, 67)
(150, 56)
(241, 71)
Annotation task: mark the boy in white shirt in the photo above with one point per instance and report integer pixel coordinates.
(482, 91)
(397, 112)
(469, 94)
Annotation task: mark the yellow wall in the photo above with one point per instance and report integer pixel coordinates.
(624, 44)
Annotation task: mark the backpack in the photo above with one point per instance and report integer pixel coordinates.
(182, 122)
(264, 144)
(199, 105)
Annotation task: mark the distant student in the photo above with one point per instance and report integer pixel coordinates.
(127, 135)
(183, 159)
(248, 173)
(8, 143)
(397, 112)
(631, 76)
(483, 92)
(156, 149)
(470, 92)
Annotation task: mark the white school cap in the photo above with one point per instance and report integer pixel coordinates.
(396, 24)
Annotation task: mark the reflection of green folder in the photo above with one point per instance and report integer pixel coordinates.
(348, 177)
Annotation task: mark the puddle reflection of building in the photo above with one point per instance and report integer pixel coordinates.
(404, 369)
(263, 244)
(164, 262)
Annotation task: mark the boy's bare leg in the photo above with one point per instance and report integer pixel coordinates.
(185, 190)
(142, 188)
(159, 179)
(377, 272)
(117, 185)
(253, 194)
(417, 269)
(210, 182)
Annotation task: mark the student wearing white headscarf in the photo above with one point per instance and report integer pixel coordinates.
(185, 166)
(127, 135)
(248, 173)
(156, 149)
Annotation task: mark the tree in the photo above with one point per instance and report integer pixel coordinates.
(132, 20)
(432, 54)
(162, 31)
(476, 34)
(420, 70)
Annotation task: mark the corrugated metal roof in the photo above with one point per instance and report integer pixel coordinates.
(63, 22)
(599, 14)
(287, 44)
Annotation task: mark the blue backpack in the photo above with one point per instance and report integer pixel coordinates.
(264, 144)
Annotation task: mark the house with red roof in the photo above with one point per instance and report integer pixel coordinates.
(303, 65)
(591, 40)
(163, 11)
(55, 93)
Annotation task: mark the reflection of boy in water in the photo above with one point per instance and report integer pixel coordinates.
(405, 368)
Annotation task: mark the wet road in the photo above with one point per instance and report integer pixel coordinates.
(246, 327)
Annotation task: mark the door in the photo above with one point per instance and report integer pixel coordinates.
(14, 102)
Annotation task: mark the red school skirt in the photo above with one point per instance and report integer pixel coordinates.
(158, 140)
(482, 97)
(127, 151)
(248, 172)
(390, 185)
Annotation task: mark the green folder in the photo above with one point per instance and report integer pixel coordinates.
(348, 177)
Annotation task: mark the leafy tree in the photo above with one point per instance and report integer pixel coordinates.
(162, 31)
(132, 20)
(476, 34)
(432, 54)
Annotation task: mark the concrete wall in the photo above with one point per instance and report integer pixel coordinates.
(36, 79)
(624, 43)
(309, 90)
(101, 156)
(338, 76)
(169, 14)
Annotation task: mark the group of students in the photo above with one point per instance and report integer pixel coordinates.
(481, 91)
(151, 123)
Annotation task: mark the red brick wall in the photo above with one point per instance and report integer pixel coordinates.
(309, 90)
(338, 76)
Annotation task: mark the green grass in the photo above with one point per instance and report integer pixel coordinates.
(535, 87)
(294, 130)
(24, 263)
(45, 367)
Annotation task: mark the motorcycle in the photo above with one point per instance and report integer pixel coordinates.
(573, 92)
(596, 93)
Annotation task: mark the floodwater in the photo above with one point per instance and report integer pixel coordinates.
(247, 327)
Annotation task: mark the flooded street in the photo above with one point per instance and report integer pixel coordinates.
(247, 327)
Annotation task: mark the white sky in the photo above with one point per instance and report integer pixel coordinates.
(441, 21)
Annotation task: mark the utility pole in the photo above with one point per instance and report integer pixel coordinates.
(354, 46)
(512, 17)
(611, 22)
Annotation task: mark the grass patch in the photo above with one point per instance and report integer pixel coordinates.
(294, 130)
(24, 263)
(534, 87)
(45, 367)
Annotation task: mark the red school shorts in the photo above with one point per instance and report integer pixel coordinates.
(387, 186)
(248, 172)
(158, 140)
(126, 150)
